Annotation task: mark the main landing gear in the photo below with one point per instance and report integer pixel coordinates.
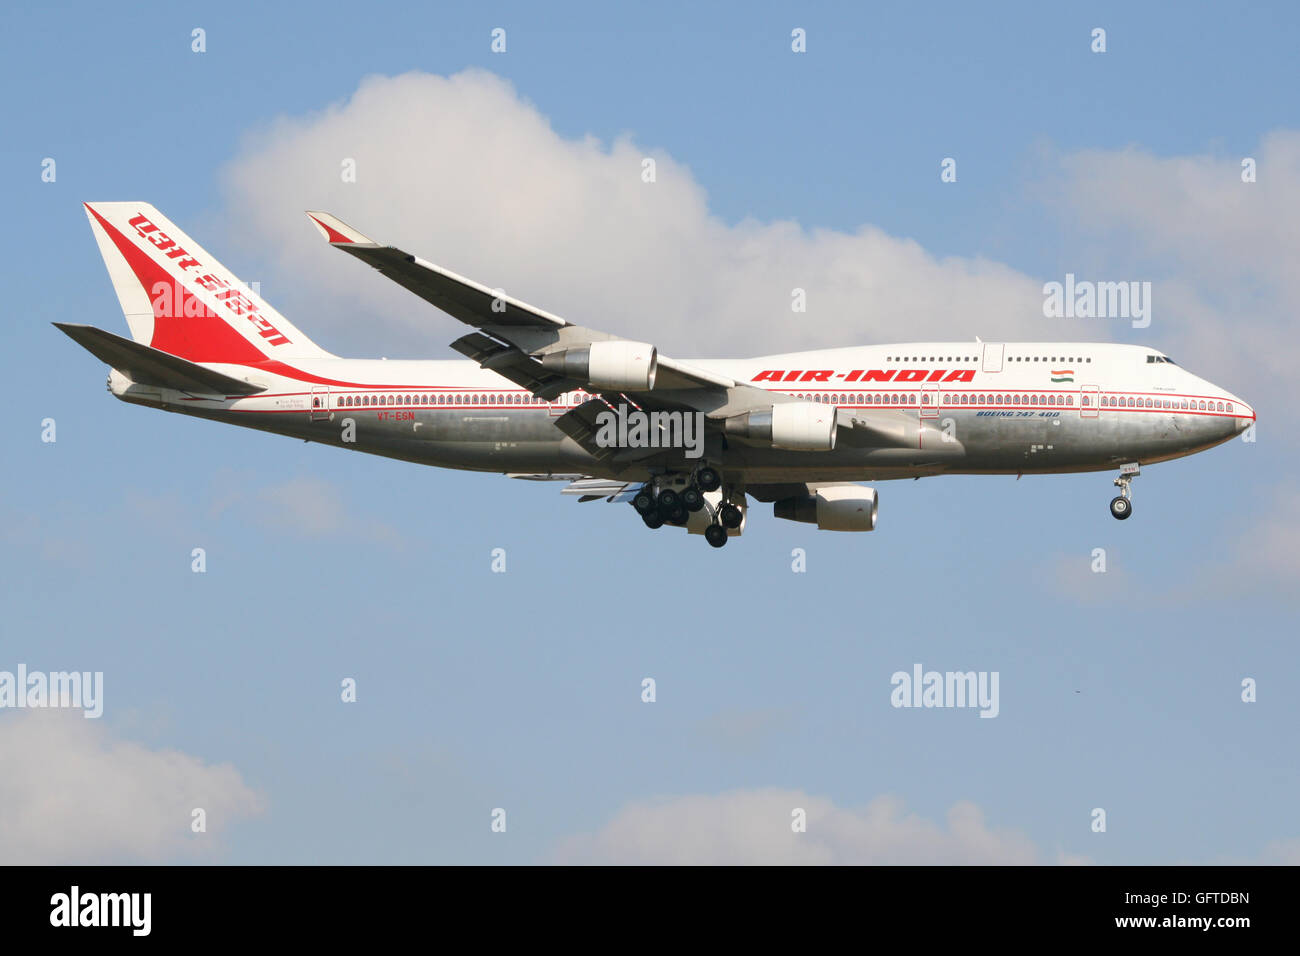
(727, 517)
(669, 500)
(1121, 506)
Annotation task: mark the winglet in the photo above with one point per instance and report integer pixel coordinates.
(337, 232)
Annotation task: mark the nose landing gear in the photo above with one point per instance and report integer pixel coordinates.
(1121, 506)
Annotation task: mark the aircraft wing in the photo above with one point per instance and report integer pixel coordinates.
(535, 349)
(515, 339)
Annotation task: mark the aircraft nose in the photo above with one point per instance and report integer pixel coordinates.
(1245, 414)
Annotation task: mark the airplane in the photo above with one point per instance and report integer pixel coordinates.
(687, 443)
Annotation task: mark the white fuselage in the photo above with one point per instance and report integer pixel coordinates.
(1014, 407)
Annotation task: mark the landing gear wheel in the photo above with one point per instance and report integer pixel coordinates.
(677, 514)
(643, 502)
(668, 499)
(716, 535)
(731, 516)
(653, 520)
(708, 479)
(1122, 506)
(692, 499)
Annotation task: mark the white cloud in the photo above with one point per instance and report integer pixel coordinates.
(744, 730)
(1221, 252)
(1281, 853)
(1072, 577)
(464, 172)
(746, 827)
(1266, 557)
(315, 508)
(304, 505)
(461, 171)
(73, 793)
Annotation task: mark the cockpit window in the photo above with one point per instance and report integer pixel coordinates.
(1158, 359)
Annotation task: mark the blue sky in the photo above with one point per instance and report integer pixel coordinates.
(523, 690)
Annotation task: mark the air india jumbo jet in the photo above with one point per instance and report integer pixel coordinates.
(688, 443)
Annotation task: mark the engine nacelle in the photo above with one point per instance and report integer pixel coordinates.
(794, 426)
(833, 509)
(621, 365)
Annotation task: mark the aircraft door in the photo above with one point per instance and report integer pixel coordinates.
(320, 403)
(992, 361)
(1089, 399)
(929, 401)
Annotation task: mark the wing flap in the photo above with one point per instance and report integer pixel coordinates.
(510, 362)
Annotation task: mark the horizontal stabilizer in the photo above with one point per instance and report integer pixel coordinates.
(149, 366)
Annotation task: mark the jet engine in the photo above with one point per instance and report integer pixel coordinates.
(833, 508)
(620, 365)
(794, 426)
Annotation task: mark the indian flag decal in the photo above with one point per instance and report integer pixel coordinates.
(1063, 375)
